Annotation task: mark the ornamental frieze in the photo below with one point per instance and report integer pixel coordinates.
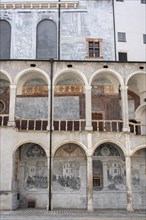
(68, 89)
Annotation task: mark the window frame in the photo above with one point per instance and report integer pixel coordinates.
(94, 41)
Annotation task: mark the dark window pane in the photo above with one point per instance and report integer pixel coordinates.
(5, 39)
(122, 56)
(96, 45)
(143, 1)
(96, 52)
(90, 44)
(144, 38)
(121, 37)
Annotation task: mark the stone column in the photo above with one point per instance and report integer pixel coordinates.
(129, 184)
(104, 175)
(89, 184)
(88, 108)
(125, 116)
(12, 104)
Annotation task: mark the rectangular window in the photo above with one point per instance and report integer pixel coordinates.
(97, 182)
(144, 38)
(143, 1)
(94, 47)
(121, 37)
(122, 56)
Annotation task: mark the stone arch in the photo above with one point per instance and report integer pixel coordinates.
(30, 70)
(77, 73)
(110, 141)
(109, 175)
(5, 39)
(69, 91)
(110, 71)
(46, 39)
(69, 176)
(30, 175)
(14, 149)
(143, 146)
(105, 95)
(5, 84)
(139, 110)
(138, 176)
(133, 74)
(32, 87)
(6, 76)
(83, 147)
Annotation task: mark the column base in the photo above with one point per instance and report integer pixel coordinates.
(11, 123)
(48, 128)
(89, 128)
(126, 129)
(130, 208)
(90, 207)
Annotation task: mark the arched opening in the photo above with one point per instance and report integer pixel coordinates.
(69, 102)
(32, 101)
(109, 177)
(138, 163)
(136, 95)
(4, 99)
(5, 39)
(69, 177)
(46, 47)
(106, 104)
(30, 177)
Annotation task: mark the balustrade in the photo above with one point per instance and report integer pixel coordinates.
(4, 120)
(74, 125)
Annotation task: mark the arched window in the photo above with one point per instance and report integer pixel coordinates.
(5, 39)
(46, 45)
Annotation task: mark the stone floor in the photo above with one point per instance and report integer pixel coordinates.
(30, 214)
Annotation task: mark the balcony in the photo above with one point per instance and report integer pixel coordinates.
(73, 125)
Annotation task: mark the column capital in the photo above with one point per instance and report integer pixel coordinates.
(125, 87)
(88, 87)
(12, 86)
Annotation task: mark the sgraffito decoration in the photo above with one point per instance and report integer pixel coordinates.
(35, 167)
(67, 168)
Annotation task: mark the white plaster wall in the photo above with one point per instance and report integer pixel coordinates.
(130, 18)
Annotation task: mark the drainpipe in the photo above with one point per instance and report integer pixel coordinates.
(114, 27)
(59, 31)
(51, 130)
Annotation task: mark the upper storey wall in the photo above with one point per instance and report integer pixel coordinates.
(90, 19)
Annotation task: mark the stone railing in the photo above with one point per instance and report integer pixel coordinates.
(31, 124)
(137, 128)
(107, 125)
(69, 125)
(4, 120)
(73, 125)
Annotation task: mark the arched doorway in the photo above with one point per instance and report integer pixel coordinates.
(109, 177)
(138, 163)
(69, 177)
(31, 176)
